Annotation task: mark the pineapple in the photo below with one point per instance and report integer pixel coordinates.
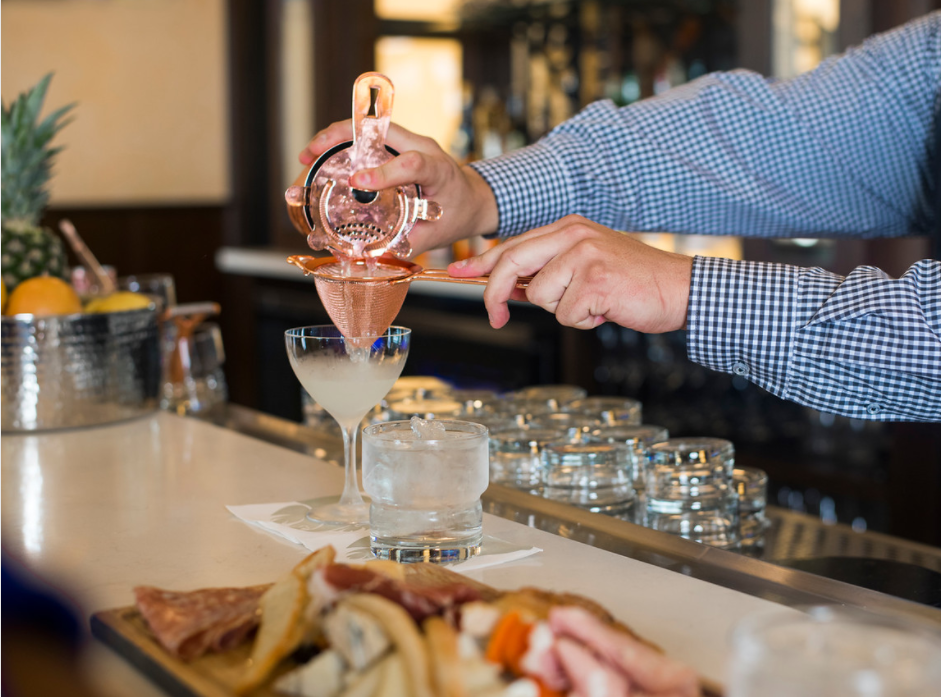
(29, 250)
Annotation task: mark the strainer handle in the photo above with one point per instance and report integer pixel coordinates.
(442, 275)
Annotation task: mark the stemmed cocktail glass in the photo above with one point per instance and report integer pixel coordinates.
(347, 376)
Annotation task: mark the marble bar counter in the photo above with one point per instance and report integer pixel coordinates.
(100, 510)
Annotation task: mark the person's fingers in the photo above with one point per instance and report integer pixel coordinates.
(589, 676)
(402, 140)
(334, 134)
(412, 167)
(646, 668)
(483, 264)
(576, 287)
(524, 259)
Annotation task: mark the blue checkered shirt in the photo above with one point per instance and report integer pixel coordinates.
(849, 149)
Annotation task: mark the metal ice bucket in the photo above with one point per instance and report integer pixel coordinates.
(79, 370)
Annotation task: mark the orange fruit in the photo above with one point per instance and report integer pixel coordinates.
(43, 296)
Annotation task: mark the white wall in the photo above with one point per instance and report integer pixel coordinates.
(149, 76)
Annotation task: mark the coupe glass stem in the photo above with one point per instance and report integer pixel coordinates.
(350, 495)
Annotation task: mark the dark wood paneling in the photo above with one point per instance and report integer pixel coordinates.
(344, 47)
(250, 59)
(178, 240)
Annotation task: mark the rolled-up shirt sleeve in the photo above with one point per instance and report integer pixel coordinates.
(865, 346)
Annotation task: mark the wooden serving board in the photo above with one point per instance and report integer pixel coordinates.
(216, 674)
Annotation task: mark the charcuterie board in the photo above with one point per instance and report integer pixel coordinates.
(216, 674)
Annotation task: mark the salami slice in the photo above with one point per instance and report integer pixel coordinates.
(190, 623)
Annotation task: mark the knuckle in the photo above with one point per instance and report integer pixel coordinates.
(428, 144)
(590, 251)
(411, 161)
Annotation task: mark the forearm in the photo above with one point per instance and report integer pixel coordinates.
(841, 150)
(865, 346)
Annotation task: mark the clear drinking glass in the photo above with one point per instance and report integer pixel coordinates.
(751, 484)
(594, 476)
(833, 652)
(613, 411)
(689, 490)
(516, 454)
(521, 410)
(158, 285)
(425, 479)
(575, 426)
(197, 383)
(424, 407)
(637, 438)
(555, 396)
(474, 401)
(347, 377)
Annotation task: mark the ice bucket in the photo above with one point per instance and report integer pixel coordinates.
(79, 370)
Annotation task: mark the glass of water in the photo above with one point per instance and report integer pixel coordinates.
(833, 652)
(425, 479)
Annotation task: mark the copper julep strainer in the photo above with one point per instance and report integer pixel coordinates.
(354, 223)
(364, 298)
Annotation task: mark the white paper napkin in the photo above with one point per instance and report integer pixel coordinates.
(289, 520)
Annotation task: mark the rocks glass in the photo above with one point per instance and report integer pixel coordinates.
(613, 411)
(751, 485)
(689, 490)
(516, 455)
(425, 479)
(637, 438)
(595, 476)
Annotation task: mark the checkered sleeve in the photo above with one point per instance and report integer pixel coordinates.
(865, 346)
(842, 150)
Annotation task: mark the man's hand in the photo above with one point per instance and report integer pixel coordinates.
(467, 201)
(586, 274)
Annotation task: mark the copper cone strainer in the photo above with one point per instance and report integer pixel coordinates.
(364, 298)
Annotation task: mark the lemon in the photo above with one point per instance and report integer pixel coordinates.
(120, 301)
(43, 296)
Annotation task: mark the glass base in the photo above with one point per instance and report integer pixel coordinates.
(408, 552)
(340, 513)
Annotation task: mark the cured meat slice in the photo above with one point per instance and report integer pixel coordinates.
(190, 623)
(419, 601)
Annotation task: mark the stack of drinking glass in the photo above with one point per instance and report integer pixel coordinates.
(595, 453)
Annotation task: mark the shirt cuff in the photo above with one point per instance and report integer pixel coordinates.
(530, 187)
(742, 319)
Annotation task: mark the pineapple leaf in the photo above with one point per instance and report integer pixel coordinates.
(32, 100)
(27, 153)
